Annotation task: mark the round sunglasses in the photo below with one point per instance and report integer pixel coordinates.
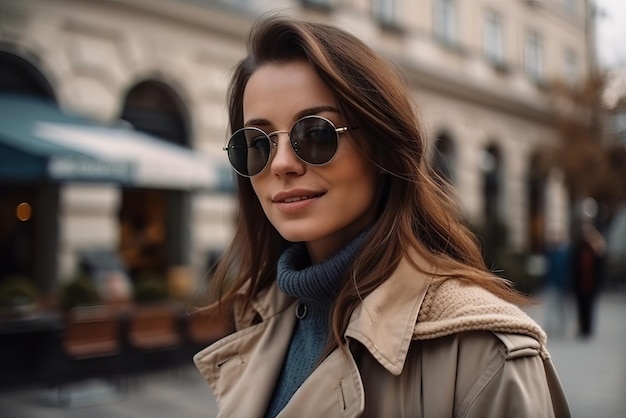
(313, 139)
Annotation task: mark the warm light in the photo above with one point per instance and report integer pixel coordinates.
(23, 211)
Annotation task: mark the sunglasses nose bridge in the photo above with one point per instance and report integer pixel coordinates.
(273, 136)
(283, 158)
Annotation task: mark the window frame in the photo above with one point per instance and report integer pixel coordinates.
(493, 37)
(445, 21)
(534, 55)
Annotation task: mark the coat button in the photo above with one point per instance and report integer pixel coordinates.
(301, 311)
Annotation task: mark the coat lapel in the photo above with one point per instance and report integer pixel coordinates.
(384, 322)
(242, 368)
(334, 389)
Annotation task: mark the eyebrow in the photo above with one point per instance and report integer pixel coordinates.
(305, 112)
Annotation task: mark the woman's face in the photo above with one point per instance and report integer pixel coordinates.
(324, 206)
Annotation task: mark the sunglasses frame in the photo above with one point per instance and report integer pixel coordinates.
(292, 142)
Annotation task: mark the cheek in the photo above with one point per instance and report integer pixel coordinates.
(259, 184)
(359, 182)
(359, 174)
(259, 187)
(367, 189)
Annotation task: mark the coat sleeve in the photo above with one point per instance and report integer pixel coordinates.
(524, 385)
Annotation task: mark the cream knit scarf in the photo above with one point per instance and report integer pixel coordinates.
(451, 306)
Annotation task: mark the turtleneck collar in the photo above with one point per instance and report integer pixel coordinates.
(315, 284)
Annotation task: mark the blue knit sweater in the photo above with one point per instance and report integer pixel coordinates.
(315, 286)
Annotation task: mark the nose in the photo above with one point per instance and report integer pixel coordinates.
(285, 161)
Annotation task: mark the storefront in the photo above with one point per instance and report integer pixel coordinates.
(44, 151)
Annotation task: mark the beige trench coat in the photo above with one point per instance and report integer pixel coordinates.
(418, 347)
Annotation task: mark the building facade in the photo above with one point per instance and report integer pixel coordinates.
(479, 73)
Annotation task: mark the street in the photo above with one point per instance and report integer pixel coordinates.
(593, 373)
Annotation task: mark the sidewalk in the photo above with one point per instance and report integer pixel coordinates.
(593, 373)
(175, 393)
(593, 370)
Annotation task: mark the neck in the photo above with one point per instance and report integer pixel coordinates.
(325, 248)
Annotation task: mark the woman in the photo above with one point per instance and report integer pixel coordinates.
(353, 287)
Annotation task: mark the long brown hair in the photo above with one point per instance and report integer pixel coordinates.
(417, 215)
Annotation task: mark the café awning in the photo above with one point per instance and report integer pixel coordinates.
(39, 142)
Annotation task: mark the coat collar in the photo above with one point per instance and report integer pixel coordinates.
(270, 302)
(385, 320)
(383, 323)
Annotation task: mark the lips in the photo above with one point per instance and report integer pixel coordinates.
(295, 201)
(295, 196)
(298, 198)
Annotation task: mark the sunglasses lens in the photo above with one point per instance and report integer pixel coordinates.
(249, 151)
(314, 139)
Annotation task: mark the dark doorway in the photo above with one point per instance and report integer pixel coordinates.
(491, 166)
(28, 243)
(17, 235)
(155, 230)
(536, 185)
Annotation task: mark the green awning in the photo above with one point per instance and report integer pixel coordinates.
(39, 142)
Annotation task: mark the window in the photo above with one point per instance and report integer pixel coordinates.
(444, 158)
(445, 20)
(384, 10)
(492, 171)
(619, 125)
(570, 6)
(571, 66)
(493, 42)
(533, 56)
(235, 4)
(317, 4)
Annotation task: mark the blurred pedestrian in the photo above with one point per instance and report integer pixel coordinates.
(557, 283)
(354, 287)
(587, 258)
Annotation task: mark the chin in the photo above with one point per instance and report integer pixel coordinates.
(298, 236)
(302, 231)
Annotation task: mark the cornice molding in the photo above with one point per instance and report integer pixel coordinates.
(461, 87)
(233, 23)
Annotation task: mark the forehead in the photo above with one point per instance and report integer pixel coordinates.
(280, 90)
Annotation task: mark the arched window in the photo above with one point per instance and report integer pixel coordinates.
(444, 157)
(17, 75)
(155, 108)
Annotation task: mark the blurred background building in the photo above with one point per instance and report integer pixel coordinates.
(479, 71)
(116, 197)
